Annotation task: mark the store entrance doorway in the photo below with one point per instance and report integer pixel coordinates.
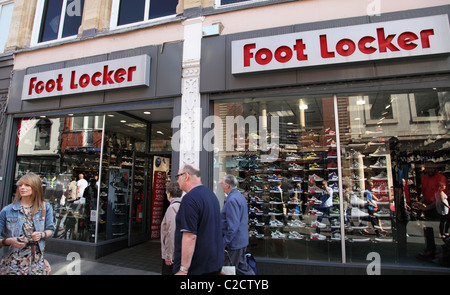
(135, 166)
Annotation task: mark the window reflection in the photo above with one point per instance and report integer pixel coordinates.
(387, 143)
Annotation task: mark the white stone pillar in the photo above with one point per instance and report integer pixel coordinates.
(191, 115)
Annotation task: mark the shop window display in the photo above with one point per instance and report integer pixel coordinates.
(61, 149)
(295, 189)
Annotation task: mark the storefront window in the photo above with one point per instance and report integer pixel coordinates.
(95, 178)
(60, 151)
(299, 190)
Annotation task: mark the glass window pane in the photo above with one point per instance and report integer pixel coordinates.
(283, 152)
(380, 106)
(159, 8)
(131, 11)
(72, 20)
(5, 21)
(50, 20)
(51, 148)
(427, 104)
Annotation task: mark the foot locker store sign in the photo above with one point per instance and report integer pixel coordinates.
(394, 39)
(118, 73)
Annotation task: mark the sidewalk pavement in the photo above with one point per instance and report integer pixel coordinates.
(63, 266)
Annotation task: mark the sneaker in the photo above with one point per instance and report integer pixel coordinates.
(256, 189)
(256, 211)
(318, 237)
(317, 224)
(274, 178)
(329, 131)
(275, 200)
(275, 211)
(255, 222)
(355, 154)
(333, 177)
(315, 178)
(293, 235)
(314, 190)
(296, 223)
(381, 163)
(334, 212)
(256, 234)
(256, 178)
(277, 235)
(295, 167)
(256, 200)
(275, 223)
(314, 201)
(314, 212)
(332, 166)
(332, 154)
(380, 152)
(295, 179)
(294, 211)
(275, 189)
(315, 166)
(381, 176)
(290, 157)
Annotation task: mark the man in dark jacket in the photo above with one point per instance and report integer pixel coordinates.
(234, 217)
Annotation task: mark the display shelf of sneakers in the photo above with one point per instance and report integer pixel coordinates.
(373, 165)
(276, 213)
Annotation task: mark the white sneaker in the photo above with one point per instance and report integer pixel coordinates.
(317, 224)
(318, 237)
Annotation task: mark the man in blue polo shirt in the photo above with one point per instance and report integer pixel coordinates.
(198, 235)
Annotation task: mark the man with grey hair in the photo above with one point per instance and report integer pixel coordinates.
(198, 239)
(234, 217)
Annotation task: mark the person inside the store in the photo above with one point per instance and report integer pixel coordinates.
(198, 234)
(235, 226)
(430, 187)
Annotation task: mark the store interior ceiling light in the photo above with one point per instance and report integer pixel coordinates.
(282, 113)
(136, 125)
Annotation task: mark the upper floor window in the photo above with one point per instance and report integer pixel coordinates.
(6, 8)
(57, 19)
(126, 12)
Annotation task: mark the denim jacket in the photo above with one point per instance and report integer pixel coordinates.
(11, 222)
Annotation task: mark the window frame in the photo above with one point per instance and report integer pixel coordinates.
(37, 25)
(115, 16)
(414, 116)
(3, 3)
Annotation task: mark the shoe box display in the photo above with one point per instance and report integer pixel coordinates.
(285, 194)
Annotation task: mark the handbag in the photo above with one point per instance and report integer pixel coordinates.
(228, 270)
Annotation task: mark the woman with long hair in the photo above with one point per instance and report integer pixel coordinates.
(24, 226)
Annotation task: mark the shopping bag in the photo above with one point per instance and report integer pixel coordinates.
(228, 269)
(252, 262)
